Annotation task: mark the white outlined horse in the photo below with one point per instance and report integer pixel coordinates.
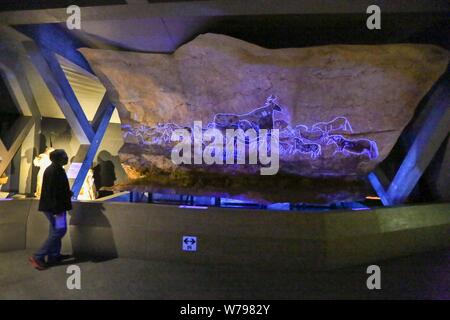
(260, 118)
(313, 149)
(337, 124)
(358, 146)
(313, 135)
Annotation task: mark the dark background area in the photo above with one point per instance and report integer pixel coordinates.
(9, 113)
(10, 5)
(283, 31)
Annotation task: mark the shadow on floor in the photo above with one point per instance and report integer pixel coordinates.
(91, 234)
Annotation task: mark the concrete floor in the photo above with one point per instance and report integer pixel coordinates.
(425, 276)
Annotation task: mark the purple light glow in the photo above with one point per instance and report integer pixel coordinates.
(193, 207)
(299, 139)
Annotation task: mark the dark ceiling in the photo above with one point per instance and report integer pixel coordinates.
(163, 28)
(311, 30)
(10, 5)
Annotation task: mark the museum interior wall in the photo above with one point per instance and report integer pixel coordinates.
(57, 133)
(342, 110)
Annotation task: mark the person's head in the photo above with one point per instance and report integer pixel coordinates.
(103, 156)
(59, 156)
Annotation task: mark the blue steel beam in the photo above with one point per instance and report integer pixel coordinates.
(92, 151)
(379, 189)
(433, 132)
(73, 116)
(104, 104)
(56, 38)
(67, 91)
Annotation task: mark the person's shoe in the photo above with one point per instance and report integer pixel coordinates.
(37, 264)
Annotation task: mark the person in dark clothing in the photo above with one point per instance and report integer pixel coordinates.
(54, 203)
(104, 174)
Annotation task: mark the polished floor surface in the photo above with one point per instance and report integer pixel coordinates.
(425, 276)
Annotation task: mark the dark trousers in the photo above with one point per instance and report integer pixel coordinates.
(57, 230)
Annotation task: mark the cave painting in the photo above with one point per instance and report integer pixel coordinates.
(260, 118)
(358, 146)
(293, 140)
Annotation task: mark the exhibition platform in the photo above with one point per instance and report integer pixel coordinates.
(262, 239)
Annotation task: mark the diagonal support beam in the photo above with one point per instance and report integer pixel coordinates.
(22, 129)
(13, 62)
(51, 40)
(92, 151)
(379, 189)
(51, 72)
(99, 114)
(433, 132)
(16, 88)
(3, 150)
(67, 90)
(56, 38)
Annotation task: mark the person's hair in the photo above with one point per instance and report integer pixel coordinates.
(57, 155)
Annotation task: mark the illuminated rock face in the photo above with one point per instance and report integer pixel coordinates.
(339, 111)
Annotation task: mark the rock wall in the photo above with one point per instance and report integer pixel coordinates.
(339, 110)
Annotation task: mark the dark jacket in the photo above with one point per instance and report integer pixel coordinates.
(55, 194)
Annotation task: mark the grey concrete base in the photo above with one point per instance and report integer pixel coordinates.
(13, 224)
(260, 239)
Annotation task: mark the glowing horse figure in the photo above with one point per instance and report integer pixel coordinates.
(359, 146)
(313, 149)
(300, 139)
(165, 132)
(261, 118)
(145, 134)
(337, 124)
(134, 132)
(293, 141)
(313, 135)
(286, 136)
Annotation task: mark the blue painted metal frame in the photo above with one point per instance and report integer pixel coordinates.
(379, 189)
(426, 142)
(54, 39)
(92, 151)
(433, 132)
(67, 90)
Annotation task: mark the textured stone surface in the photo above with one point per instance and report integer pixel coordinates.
(341, 110)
